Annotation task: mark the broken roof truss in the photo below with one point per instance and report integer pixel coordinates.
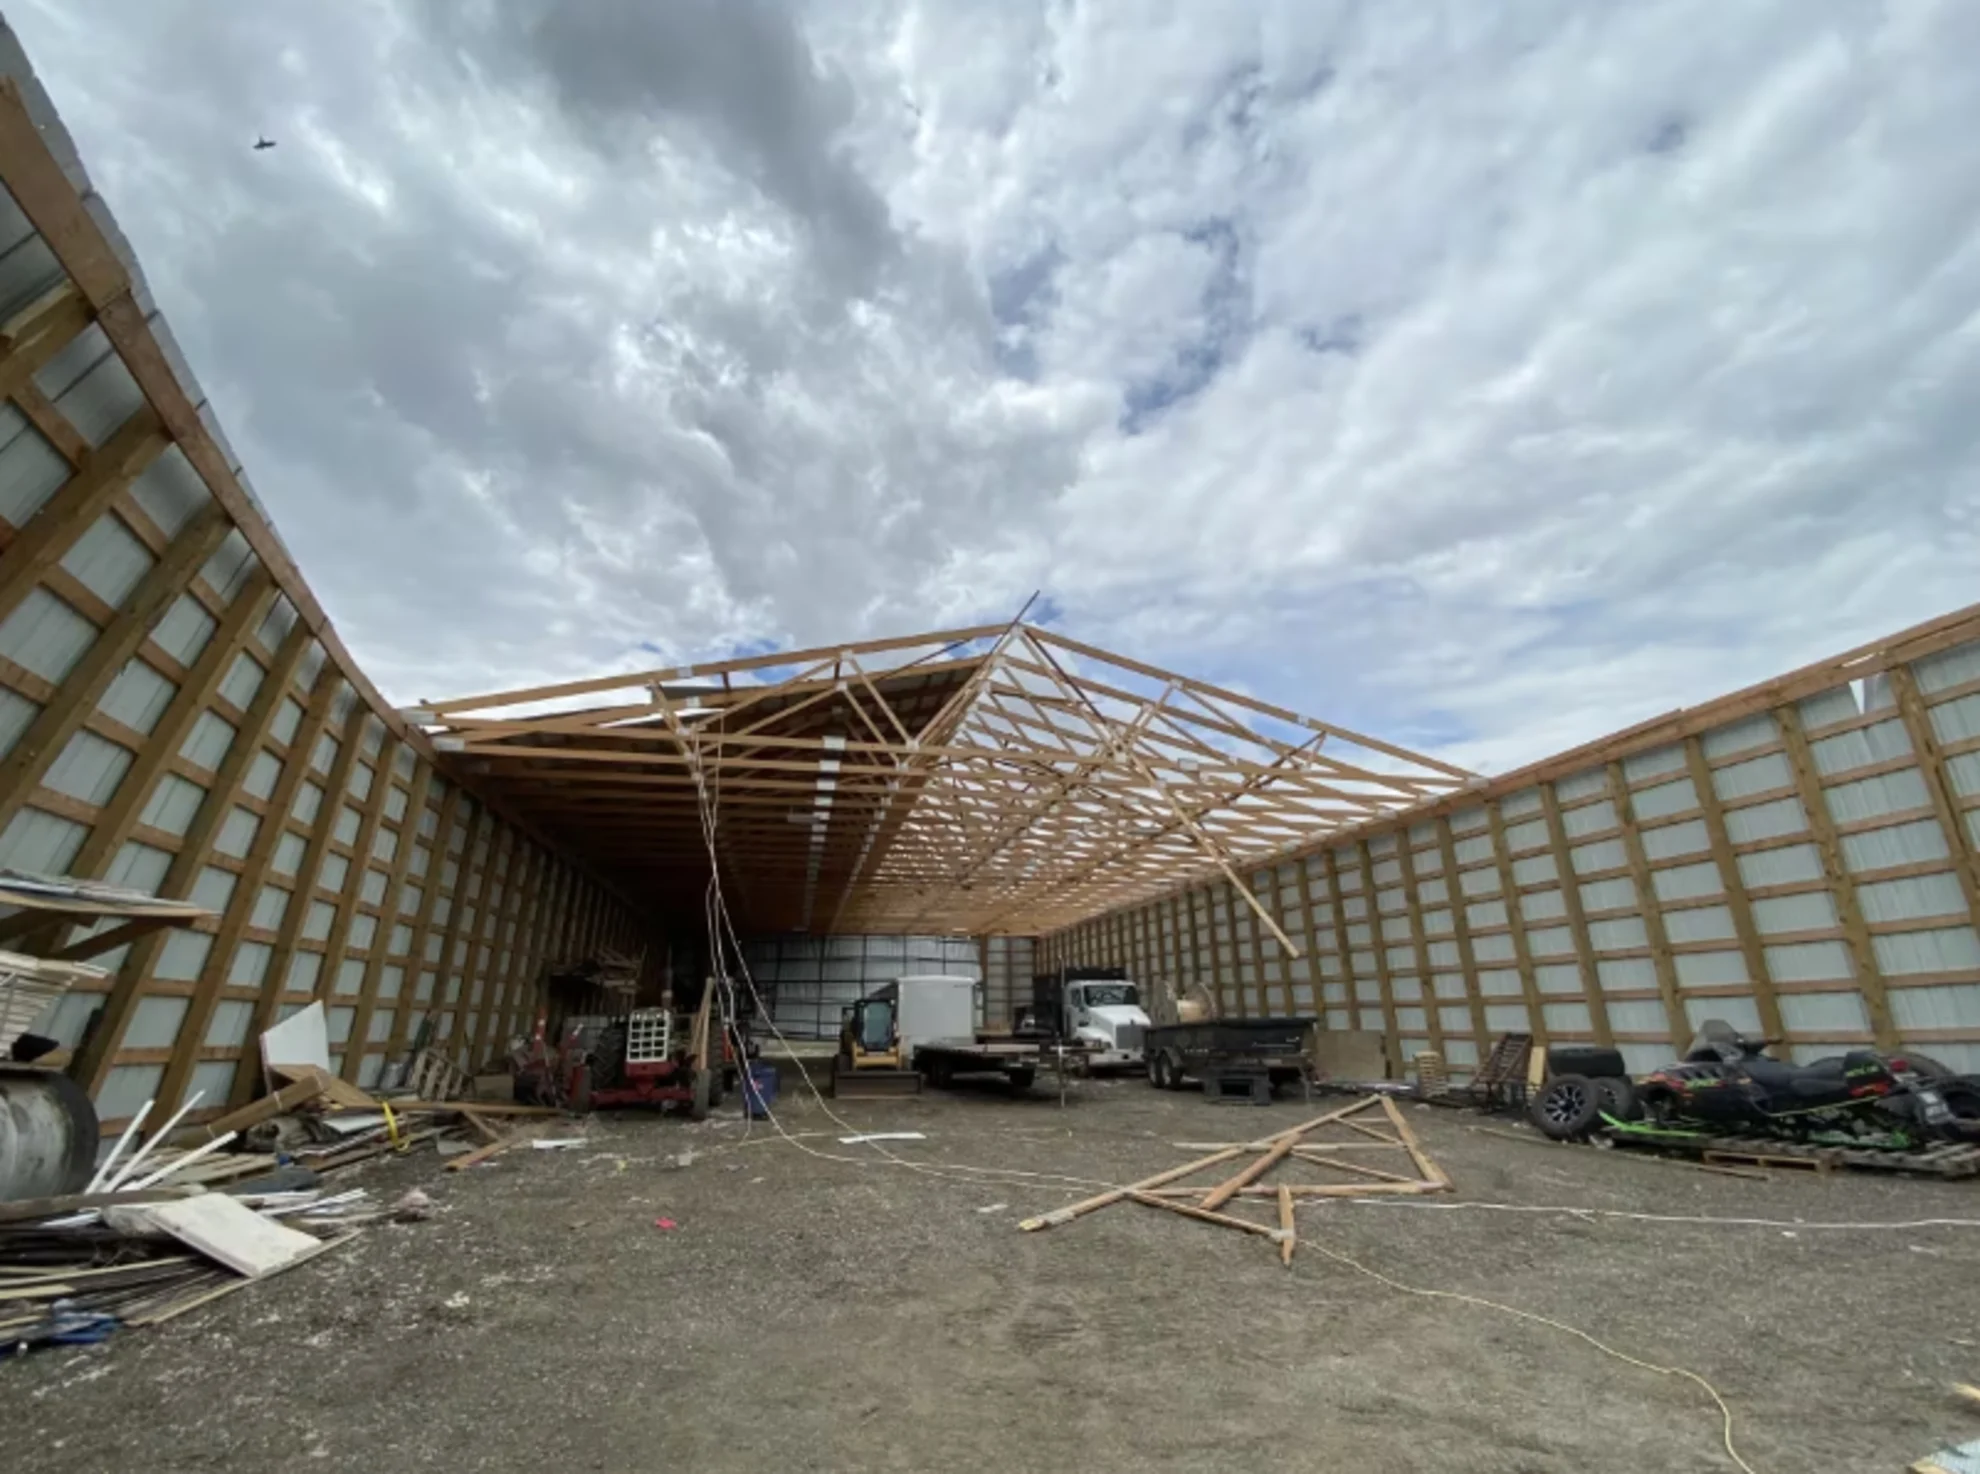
(994, 779)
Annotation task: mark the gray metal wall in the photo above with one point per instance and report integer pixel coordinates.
(806, 981)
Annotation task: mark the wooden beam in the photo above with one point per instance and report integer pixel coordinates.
(303, 897)
(1734, 885)
(1378, 944)
(429, 899)
(1584, 948)
(1648, 907)
(1946, 798)
(1338, 899)
(49, 733)
(1426, 980)
(1474, 997)
(1529, 984)
(1842, 885)
(388, 918)
(35, 334)
(337, 943)
(497, 891)
(202, 684)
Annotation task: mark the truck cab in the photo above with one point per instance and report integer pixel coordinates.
(1106, 1016)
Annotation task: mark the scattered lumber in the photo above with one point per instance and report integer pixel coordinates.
(1412, 1171)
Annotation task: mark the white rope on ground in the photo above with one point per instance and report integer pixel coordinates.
(1783, 1223)
(1534, 1318)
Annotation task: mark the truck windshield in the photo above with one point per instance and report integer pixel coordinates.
(1100, 995)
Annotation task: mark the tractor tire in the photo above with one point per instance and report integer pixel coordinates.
(1567, 1107)
(704, 1093)
(1618, 1097)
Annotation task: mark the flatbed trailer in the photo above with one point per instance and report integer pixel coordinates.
(1020, 1061)
(1272, 1047)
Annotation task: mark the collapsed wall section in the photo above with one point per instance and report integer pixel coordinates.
(1802, 860)
(178, 716)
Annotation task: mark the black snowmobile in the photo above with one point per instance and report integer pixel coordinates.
(1727, 1086)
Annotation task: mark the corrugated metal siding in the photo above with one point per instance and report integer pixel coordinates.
(1898, 844)
(1755, 775)
(1871, 798)
(1824, 1013)
(1673, 841)
(1665, 799)
(1641, 766)
(17, 714)
(1687, 882)
(1884, 742)
(1954, 667)
(31, 471)
(1808, 962)
(1797, 864)
(1944, 949)
(1911, 898)
(88, 768)
(1773, 820)
(171, 491)
(137, 697)
(1700, 924)
(1959, 720)
(46, 636)
(1740, 736)
(108, 560)
(243, 680)
(184, 630)
(35, 840)
(1809, 911)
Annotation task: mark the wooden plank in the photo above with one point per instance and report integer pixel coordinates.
(1752, 952)
(28, 1210)
(411, 1006)
(1288, 1241)
(287, 1099)
(195, 846)
(38, 747)
(388, 922)
(483, 954)
(1649, 908)
(202, 684)
(1946, 797)
(32, 336)
(1281, 1146)
(1201, 1214)
(229, 1232)
(482, 1153)
(337, 944)
(1425, 978)
(49, 535)
(1461, 925)
(1344, 944)
(56, 428)
(1516, 922)
(1570, 883)
(1432, 1173)
(299, 769)
(1842, 885)
(1378, 946)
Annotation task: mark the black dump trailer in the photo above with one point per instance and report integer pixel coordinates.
(1262, 1053)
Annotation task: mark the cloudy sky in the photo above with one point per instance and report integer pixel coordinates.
(1485, 375)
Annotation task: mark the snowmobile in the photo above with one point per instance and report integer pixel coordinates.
(1726, 1085)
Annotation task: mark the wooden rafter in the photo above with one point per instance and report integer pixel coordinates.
(984, 779)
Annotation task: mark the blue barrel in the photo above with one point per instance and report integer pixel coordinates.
(759, 1088)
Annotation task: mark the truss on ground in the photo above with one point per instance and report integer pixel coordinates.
(995, 779)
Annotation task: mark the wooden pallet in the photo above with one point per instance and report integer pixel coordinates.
(1951, 1160)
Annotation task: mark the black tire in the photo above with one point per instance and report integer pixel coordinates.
(1157, 1066)
(703, 1087)
(940, 1073)
(1962, 1098)
(1618, 1096)
(1174, 1071)
(718, 1089)
(1566, 1107)
(1020, 1080)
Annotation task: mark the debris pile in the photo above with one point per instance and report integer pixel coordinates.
(1348, 1154)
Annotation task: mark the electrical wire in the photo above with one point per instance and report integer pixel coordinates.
(1535, 1318)
(1790, 1224)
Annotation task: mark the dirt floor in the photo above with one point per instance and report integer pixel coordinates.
(809, 1314)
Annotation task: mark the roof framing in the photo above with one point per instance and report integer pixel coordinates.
(986, 779)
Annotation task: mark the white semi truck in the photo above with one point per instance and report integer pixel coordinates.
(1103, 1015)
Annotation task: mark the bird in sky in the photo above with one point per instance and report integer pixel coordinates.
(261, 143)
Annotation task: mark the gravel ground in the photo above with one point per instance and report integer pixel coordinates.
(809, 1314)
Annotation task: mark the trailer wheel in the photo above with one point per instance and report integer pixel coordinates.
(704, 1093)
(1172, 1070)
(1021, 1080)
(940, 1073)
(1157, 1066)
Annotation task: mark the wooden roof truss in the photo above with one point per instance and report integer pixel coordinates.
(992, 779)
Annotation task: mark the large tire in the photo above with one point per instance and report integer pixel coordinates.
(1596, 1061)
(1020, 1080)
(1925, 1067)
(1172, 1071)
(1157, 1065)
(703, 1087)
(1618, 1097)
(1962, 1098)
(1566, 1107)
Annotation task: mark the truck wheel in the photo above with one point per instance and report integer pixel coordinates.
(704, 1093)
(1021, 1079)
(1158, 1071)
(939, 1073)
(1172, 1071)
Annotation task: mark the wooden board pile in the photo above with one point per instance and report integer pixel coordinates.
(163, 1229)
(1339, 1142)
